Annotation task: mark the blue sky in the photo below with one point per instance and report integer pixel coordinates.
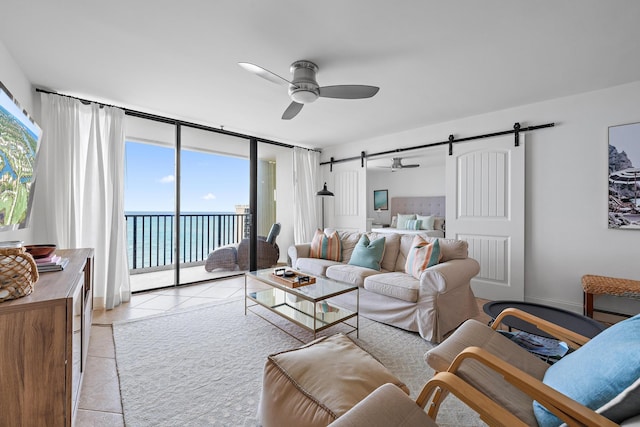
(210, 183)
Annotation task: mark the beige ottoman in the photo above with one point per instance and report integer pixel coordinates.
(316, 383)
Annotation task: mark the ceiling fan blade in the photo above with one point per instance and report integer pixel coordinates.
(264, 73)
(292, 110)
(348, 91)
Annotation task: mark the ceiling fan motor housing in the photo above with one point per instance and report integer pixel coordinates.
(305, 88)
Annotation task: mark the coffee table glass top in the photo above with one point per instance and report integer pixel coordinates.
(322, 289)
(306, 306)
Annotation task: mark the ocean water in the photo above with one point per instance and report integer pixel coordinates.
(151, 236)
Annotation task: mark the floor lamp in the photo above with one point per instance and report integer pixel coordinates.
(322, 194)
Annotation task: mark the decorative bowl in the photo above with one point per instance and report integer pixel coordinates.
(40, 251)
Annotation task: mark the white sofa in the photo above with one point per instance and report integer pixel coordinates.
(433, 305)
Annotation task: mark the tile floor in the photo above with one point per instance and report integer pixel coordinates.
(100, 403)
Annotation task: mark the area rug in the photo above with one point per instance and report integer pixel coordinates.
(203, 366)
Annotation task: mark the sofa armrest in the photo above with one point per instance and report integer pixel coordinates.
(448, 275)
(301, 250)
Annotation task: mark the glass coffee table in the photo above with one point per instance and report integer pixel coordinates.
(305, 306)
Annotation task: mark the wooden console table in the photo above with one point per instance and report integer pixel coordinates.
(44, 338)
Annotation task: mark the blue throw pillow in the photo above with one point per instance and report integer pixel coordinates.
(600, 370)
(368, 254)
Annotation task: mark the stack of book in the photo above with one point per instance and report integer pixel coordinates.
(51, 263)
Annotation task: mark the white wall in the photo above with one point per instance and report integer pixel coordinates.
(566, 232)
(16, 81)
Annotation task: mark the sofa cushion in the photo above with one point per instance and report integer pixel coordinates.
(391, 249)
(315, 266)
(368, 253)
(396, 285)
(326, 246)
(449, 248)
(453, 249)
(351, 274)
(348, 240)
(402, 220)
(422, 256)
(588, 378)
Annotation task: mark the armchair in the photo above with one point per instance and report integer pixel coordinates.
(597, 384)
(236, 257)
(390, 406)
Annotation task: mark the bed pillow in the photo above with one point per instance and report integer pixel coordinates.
(394, 222)
(326, 246)
(414, 224)
(368, 254)
(427, 222)
(402, 220)
(422, 255)
(602, 375)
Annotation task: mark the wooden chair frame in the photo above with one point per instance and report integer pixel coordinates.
(568, 410)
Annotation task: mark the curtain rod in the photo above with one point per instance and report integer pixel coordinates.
(168, 120)
(516, 130)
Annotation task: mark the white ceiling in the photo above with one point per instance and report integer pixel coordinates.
(433, 60)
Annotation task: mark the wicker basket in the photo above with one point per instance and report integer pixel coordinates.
(18, 273)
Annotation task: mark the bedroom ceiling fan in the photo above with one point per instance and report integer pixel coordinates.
(304, 89)
(397, 165)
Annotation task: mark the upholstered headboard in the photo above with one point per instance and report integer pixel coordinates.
(418, 205)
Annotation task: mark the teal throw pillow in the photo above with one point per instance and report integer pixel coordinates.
(603, 369)
(368, 254)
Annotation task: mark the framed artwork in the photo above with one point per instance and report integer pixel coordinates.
(624, 176)
(380, 200)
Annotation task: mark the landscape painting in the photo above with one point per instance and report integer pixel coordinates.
(624, 176)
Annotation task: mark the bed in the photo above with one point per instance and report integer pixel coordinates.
(433, 206)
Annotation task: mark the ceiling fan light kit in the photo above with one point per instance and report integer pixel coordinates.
(304, 89)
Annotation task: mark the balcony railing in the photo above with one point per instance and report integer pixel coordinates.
(150, 237)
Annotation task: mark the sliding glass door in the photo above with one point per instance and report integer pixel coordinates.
(189, 213)
(214, 203)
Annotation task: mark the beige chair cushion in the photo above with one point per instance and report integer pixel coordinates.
(315, 384)
(396, 285)
(387, 406)
(474, 333)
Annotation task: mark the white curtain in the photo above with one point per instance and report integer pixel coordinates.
(79, 200)
(306, 166)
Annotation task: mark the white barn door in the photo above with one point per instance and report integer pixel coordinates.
(485, 207)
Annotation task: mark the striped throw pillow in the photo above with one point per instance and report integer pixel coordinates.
(414, 224)
(422, 256)
(326, 246)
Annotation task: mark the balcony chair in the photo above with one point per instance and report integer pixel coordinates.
(236, 257)
(601, 374)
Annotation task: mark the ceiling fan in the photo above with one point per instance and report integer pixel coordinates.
(304, 89)
(397, 165)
